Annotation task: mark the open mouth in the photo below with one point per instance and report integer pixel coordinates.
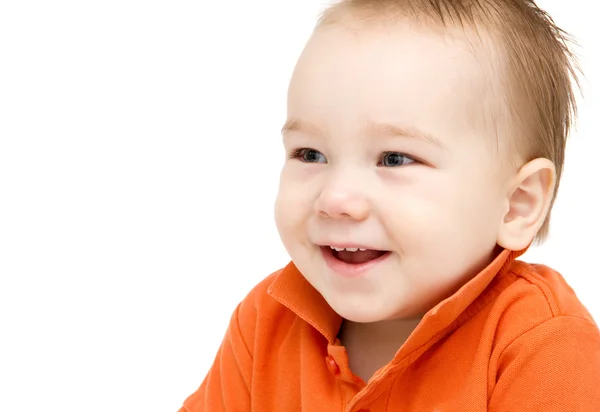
(354, 256)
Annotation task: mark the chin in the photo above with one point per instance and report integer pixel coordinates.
(364, 318)
(365, 313)
(359, 313)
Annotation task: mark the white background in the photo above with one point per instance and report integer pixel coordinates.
(139, 161)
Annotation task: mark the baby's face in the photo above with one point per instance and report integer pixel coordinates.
(383, 155)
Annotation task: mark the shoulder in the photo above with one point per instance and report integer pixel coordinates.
(548, 289)
(536, 295)
(546, 345)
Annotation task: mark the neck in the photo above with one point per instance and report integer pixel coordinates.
(370, 346)
(394, 331)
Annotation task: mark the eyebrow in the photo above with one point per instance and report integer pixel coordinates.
(385, 129)
(372, 128)
(294, 125)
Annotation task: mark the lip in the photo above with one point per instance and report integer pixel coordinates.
(350, 270)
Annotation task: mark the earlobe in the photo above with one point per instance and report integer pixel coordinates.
(529, 200)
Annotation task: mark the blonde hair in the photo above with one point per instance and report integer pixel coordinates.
(539, 69)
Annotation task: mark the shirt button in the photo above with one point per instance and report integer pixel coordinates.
(332, 365)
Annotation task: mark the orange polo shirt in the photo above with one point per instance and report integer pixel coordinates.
(515, 338)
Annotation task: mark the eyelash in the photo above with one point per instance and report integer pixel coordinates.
(299, 154)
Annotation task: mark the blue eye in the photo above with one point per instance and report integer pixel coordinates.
(309, 156)
(395, 159)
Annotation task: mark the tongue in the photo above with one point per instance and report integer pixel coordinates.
(359, 256)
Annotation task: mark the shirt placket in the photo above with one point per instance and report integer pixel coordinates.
(357, 395)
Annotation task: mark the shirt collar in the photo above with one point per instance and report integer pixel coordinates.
(292, 290)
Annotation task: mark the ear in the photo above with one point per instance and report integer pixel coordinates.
(529, 200)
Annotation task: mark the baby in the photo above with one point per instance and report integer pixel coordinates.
(425, 141)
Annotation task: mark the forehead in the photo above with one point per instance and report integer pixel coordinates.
(418, 76)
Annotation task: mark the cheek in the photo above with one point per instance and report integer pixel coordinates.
(297, 187)
(282, 213)
(292, 205)
(440, 211)
(426, 199)
(284, 222)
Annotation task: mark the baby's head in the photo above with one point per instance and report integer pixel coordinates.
(429, 132)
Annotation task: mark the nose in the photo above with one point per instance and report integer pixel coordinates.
(341, 199)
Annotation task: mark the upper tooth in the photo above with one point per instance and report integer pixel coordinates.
(361, 249)
(349, 249)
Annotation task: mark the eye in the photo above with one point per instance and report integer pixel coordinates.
(395, 159)
(308, 156)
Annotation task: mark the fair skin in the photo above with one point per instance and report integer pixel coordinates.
(383, 155)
